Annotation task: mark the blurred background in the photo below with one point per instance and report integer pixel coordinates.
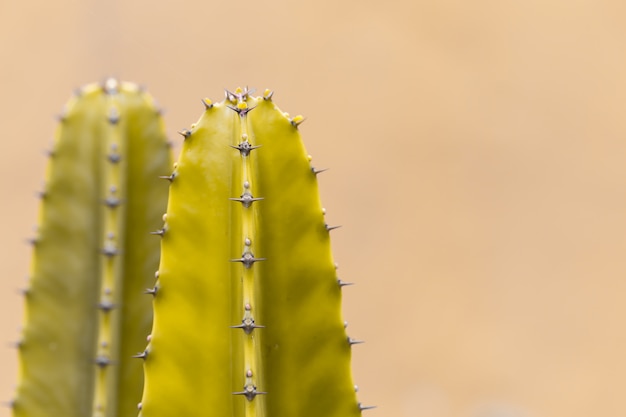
(477, 152)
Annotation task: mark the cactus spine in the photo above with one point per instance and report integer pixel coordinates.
(85, 316)
(247, 305)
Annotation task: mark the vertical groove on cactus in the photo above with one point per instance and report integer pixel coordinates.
(84, 315)
(269, 321)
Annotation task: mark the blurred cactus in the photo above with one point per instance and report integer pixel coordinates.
(93, 257)
(247, 304)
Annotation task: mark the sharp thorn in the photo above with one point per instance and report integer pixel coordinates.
(247, 259)
(352, 341)
(267, 95)
(208, 104)
(248, 325)
(246, 199)
(296, 121)
(241, 111)
(249, 391)
(329, 228)
(366, 407)
(185, 133)
(318, 171)
(142, 355)
(159, 232)
(151, 291)
(244, 148)
(343, 283)
(170, 177)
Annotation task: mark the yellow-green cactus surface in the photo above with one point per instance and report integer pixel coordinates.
(85, 312)
(247, 305)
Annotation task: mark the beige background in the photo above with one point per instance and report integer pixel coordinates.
(478, 156)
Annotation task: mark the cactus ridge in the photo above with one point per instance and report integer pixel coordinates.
(247, 302)
(92, 257)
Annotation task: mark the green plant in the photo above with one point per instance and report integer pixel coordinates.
(247, 301)
(85, 315)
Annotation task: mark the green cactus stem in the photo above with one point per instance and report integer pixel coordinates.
(247, 305)
(85, 315)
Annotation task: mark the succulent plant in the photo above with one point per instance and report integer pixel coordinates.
(247, 304)
(84, 313)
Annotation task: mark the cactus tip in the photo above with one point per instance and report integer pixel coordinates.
(185, 133)
(110, 86)
(296, 121)
(241, 108)
(208, 104)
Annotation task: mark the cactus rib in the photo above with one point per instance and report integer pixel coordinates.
(84, 314)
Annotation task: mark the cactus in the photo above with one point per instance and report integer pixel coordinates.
(247, 304)
(85, 315)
